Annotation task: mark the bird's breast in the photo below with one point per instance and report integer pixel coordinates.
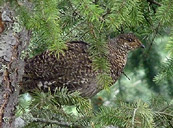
(117, 61)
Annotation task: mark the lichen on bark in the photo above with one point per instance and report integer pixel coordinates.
(12, 44)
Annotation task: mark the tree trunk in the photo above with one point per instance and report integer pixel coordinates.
(11, 66)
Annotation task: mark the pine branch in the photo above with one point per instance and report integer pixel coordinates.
(48, 121)
(166, 71)
(133, 118)
(125, 75)
(154, 2)
(164, 113)
(155, 33)
(108, 11)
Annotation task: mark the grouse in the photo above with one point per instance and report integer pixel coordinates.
(74, 68)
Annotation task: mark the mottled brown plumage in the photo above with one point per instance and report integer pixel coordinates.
(74, 68)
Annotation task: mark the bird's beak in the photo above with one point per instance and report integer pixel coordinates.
(142, 46)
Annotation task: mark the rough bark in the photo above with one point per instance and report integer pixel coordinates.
(11, 67)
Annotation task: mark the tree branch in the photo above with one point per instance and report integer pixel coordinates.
(108, 11)
(164, 113)
(156, 31)
(125, 75)
(154, 2)
(62, 124)
(133, 118)
(11, 46)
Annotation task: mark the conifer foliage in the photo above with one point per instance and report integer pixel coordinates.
(54, 22)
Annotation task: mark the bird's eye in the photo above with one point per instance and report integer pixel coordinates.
(130, 40)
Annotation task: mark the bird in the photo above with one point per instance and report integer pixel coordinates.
(74, 68)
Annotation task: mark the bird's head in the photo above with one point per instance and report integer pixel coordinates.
(128, 42)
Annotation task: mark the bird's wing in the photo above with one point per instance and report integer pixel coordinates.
(71, 67)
